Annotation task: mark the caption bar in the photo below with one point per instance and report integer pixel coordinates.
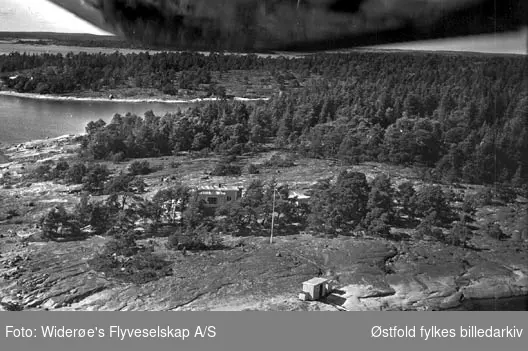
(264, 331)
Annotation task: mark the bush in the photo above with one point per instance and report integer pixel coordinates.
(5, 178)
(158, 167)
(140, 168)
(124, 184)
(75, 173)
(468, 206)
(223, 169)
(198, 239)
(122, 245)
(169, 89)
(280, 162)
(45, 172)
(100, 215)
(450, 195)
(203, 153)
(59, 224)
(494, 231)
(173, 241)
(237, 149)
(378, 228)
(506, 194)
(253, 169)
(185, 241)
(145, 267)
(192, 243)
(459, 234)
(12, 213)
(405, 196)
(483, 197)
(60, 170)
(118, 157)
(42, 172)
(123, 259)
(96, 176)
(423, 229)
(11, 306)
(139, 269)
(464, 217)
(438, 235)
(228, 159)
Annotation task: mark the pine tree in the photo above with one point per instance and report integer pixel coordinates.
(380, 201)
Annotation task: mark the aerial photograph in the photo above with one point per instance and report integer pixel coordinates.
(263, 155)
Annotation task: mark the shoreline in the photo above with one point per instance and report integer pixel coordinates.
(35, 96)
(493, 304)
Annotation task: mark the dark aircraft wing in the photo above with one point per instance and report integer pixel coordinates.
(296, 25)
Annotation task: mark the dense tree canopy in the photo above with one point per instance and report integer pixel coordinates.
(466, 116)
(342, 205)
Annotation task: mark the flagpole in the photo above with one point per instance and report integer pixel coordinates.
(272, 216)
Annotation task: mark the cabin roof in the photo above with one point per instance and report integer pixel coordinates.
(315, 281)
(299, 195)
(217, 188)
(211, 192)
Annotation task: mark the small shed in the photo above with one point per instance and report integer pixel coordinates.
(315, 288)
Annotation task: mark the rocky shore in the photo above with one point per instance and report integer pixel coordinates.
(369, 275)
(119, 100)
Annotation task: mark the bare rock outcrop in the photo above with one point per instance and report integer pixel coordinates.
(370, 275)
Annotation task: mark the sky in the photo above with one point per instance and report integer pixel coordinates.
(500, 43)
(43, 16)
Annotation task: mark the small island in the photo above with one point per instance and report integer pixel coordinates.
(398, 178)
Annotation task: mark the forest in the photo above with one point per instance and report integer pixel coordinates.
(464, 117)
(59, 74)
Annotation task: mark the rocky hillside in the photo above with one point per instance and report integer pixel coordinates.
(247, 273)
(252, 274)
